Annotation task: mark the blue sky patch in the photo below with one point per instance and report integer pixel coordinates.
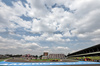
(9, 2)
(26, 18)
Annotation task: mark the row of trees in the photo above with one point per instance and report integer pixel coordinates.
(19, 55)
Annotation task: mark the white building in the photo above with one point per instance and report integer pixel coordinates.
(44, 57)
(56, 56)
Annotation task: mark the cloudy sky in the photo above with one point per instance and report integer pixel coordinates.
(56, 26)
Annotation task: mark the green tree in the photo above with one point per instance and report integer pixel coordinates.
(40, 56)
(36, 56)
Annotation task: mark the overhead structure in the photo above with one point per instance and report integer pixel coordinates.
(91, 51)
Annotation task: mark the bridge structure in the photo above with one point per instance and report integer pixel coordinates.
(91, 51)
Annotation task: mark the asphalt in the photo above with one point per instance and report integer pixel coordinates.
(23, 60)
(78, 65)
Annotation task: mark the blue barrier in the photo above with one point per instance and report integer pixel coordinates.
(47, 63)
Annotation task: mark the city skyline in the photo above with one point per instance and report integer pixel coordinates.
(59, 26)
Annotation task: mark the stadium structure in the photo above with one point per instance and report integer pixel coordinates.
(91, 51)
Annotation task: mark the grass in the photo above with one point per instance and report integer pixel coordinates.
(90, 57)
(2, 60)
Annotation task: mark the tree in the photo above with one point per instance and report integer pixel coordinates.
(36, 56)
(40, 56)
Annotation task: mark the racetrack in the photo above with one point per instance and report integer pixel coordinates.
(25, 60)
(80, 63)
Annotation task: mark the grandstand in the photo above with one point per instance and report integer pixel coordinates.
(91, 51)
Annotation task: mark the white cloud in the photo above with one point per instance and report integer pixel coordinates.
(62, 48)
(2, 30)
(37, 10)
(32, 38)
(21, 22)
(18, 46)
(68, 40)
(9, 16)
(81, 22)
(55, 38)
(14, 34)
(96, 39)
(84, 7)
(45, 37)
(81, 35)
(67, 34)
(59, 49)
